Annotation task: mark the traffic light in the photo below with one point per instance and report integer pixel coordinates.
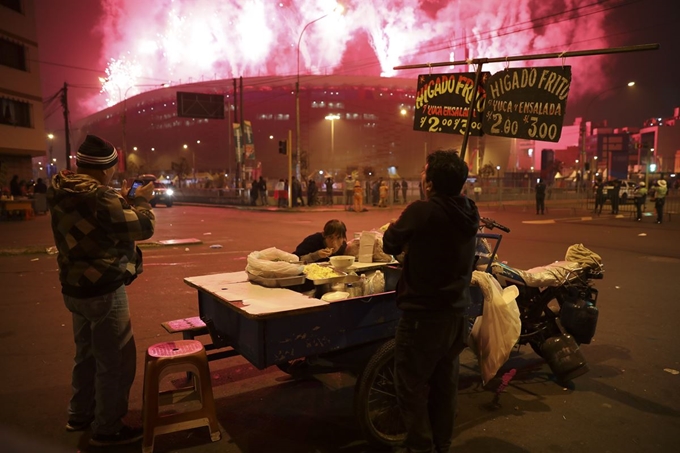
(283, 147)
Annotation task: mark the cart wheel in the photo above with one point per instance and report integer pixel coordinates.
(375, 400)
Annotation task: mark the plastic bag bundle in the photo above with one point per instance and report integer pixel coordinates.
(273, 263)
(374, 283)
(583, 255)
(496, 332)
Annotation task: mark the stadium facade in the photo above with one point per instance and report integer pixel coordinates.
(373, 132)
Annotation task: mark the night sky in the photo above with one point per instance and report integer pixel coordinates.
(72, 49)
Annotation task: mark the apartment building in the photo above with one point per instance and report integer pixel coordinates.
(22, 130)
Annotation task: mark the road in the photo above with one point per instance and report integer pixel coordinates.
(628, 402)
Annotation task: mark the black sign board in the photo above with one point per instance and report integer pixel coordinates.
(200, 105)
(443, 101)
(527, 103)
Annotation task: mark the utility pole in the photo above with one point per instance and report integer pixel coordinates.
(289, 151)
(237, 150)
(243, 143)
(67, 135)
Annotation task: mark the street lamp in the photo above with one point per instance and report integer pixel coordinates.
(338, 9)
(193, 160)
(123, 121)
(50, 165)
(332, 117)
(583, 121)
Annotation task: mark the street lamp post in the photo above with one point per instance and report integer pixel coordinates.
(193, 160)
(124, 115)
(332, 117)
(338, 8)
(49, 165)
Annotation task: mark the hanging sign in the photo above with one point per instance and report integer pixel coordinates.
(443, 102)
(527, 103)
(249, 144)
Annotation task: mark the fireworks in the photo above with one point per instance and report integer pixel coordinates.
(193, 40)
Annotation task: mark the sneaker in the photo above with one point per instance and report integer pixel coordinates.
(126, 435)
(74, 425)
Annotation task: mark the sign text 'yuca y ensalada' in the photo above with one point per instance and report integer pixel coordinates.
(527, 103)
(443, 102)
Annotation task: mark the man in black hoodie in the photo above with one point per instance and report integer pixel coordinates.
(438, 236)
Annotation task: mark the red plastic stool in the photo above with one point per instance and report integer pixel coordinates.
(172, 357)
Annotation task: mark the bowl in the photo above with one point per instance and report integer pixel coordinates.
(342, 261)
(335, 296)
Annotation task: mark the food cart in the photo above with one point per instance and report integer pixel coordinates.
(304, 335)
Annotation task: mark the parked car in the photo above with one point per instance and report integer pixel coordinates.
(626, 192)
(162, 193)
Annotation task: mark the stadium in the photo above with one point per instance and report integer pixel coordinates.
(372, 130)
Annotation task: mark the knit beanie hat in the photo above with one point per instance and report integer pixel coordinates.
(96, 153)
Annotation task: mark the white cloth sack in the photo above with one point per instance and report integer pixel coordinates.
(496, 332)
(262, 263)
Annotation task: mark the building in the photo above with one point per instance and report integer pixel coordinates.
(22, 131)
(372, 130)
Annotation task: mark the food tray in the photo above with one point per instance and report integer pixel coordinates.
(280, 282)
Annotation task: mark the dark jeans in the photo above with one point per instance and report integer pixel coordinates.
(639, 203)
(615, 205)
(658, 205)
(426, 377)
(540, 205)
(599, 203)
(105, 361)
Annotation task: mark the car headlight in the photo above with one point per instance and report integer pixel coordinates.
(169, 192)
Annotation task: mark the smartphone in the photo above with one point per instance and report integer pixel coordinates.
(135, 184)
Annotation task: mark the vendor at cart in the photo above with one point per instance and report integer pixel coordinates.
(321, 246)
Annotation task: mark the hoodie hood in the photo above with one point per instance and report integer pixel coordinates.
(74, 183)
(461, 210)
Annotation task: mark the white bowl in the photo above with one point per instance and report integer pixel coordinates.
(342, 261)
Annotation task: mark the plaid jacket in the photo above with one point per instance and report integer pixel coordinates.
(95, 230)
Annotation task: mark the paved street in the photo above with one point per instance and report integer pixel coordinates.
(628, 402)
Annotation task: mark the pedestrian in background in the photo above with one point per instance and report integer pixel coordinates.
(540, 196)
(95, 229)
(384, 193)
(329, 191)
(296, 190)
(404, 190)
(616, 195)
(598, 187)
(263, 191)
(395, 190)
(659, 196)
(358, 197)
(349, 190)
(15, 186)
(40, 197)
(280, 194)
(375, 192)
(640, 199)
(254, 192)
(433, 299)
(311, 193)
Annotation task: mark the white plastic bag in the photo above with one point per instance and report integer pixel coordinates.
(496, 332)
(374, 283)
(273, 263)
